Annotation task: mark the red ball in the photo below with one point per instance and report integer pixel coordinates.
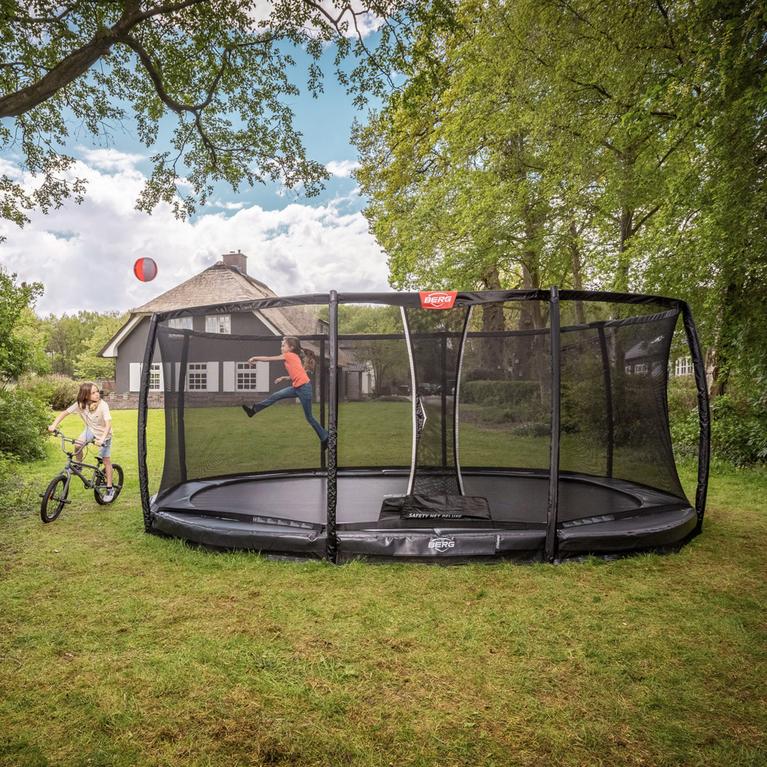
(145, 269)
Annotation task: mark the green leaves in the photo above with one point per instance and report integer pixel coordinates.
(16, 350)
(614, 146)
(220, 66)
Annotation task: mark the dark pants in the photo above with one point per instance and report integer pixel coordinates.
(304, 394)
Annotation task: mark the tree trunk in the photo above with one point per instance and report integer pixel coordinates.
(491, 354)
(576, 266)
(621, 282)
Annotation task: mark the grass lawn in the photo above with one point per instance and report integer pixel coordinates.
(118, 648)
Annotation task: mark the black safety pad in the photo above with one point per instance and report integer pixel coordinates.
(436, 507)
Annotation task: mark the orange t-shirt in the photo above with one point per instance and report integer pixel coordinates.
(295, 369)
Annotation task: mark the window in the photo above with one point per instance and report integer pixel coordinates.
(154, 377)
(197, 376)
(218, 323)
(246, 377)
(640, 367)
(683, 366)
(180, 323)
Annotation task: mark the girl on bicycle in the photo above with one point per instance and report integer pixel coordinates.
(98, 427)
(300, 386)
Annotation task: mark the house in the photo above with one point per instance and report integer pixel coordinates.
(219, 375)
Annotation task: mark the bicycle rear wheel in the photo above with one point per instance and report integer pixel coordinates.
(100, 488)
(54, 498)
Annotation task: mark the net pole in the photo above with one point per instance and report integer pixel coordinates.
(180, 404)
(608, 401)
(321, 385)
(143, 406)
(443, 392)
(553, 502)
(704, 414)
(331, 545)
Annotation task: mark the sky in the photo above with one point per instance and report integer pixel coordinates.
(84, 254)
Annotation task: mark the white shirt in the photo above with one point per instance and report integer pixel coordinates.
(97, 420)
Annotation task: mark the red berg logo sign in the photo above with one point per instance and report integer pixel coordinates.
(437, 299)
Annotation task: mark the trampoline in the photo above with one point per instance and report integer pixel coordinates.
(529, 425)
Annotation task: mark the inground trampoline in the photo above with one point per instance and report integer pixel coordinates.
(528, 425)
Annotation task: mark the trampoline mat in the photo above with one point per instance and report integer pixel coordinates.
(516, 498)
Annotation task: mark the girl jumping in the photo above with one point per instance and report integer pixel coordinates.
(300, 385)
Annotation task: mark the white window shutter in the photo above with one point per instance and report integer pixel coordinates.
(162, 376)
(229, 378)
(135, 376)
(212, 376)
(262, 376)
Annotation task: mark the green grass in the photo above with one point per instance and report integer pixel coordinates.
(118, 648)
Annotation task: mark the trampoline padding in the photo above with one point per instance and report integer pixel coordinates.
(439, 544)
(628, 534)
(238, 534)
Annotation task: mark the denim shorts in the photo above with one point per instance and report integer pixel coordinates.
(105, 451)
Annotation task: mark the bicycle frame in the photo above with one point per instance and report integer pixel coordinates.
(75, 467)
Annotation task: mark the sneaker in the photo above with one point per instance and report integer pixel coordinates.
(249, 410)
(109, 496)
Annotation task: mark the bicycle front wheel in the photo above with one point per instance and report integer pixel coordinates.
(100, 490)
(54, 498)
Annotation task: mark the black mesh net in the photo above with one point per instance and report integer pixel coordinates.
(505, 390)
(435, 340)
(614, 373)
(473, 385)
(207, 379)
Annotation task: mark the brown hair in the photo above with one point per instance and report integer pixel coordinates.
(308, 360)
(84, 395)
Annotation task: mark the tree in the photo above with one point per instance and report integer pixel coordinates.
(16, 351)
(89, 365)
(66, 338)
(615, 146)
(72, 342)
(221, 67)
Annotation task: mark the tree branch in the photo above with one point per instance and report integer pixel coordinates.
(336, 24)
(80, 61)
(178, 107)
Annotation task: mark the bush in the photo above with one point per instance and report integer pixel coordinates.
(682, 396)
(532, 429)
(738, 431)
(513, 393)
(23, 425)
(485, 374)
(56, 390)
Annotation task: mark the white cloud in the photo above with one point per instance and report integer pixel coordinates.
(226, 205)
(342, 168)
(84, 254)
(109, 159)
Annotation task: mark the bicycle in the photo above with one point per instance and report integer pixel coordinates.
(56, 494)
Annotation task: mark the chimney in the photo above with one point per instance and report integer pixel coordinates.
(238, 260)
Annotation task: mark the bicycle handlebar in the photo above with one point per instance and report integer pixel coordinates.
(64, 438)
